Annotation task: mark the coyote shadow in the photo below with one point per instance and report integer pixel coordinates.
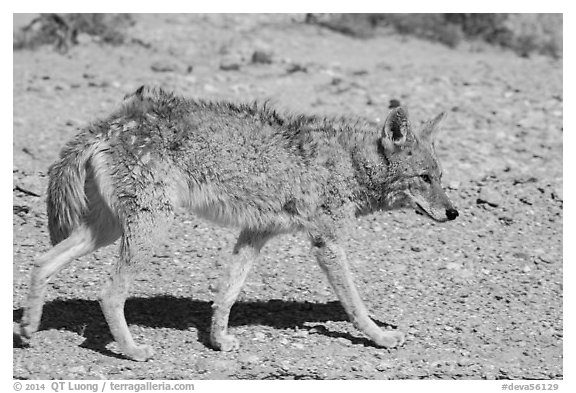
(85, 317)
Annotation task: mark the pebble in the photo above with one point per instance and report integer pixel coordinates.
(557, 193)
(229, 65)
(259, 336)
(453, 266)
(383, 366)
(521, 255)
(489, 196)
(295, 67)
(507, 220)
(453, 184)
(261, 57)
(394, 103)
(463, 362)
(77, 370)
(546, 258)
(161, 66)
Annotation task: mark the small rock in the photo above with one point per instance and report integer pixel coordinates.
(383, 366)
(259, 336)
(337, 80)
(529, 200)
(546, 258)
(557, 193)
(415, 248)
(506, 220)
(77, 370)
(295, 67)
(161, 66)
(521, 255)
(524, 180)
(453, 266)
(463, 362)
(526, 269)
(490, 197)
(261, 57)
(453, 184)
(229, 65)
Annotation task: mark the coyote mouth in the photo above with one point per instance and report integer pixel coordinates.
(421, 210)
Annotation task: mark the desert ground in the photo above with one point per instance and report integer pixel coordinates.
(479, 297)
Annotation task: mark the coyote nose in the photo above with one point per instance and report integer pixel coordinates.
(451, 213)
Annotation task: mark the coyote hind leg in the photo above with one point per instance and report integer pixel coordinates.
(79, 243)
(332, 260)
(245, 253)
(140, 233)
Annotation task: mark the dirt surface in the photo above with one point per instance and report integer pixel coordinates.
(479, 298)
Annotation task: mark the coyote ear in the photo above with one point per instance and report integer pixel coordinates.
(396, 129)
(431, 128)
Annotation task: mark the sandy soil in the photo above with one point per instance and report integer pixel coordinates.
(479, 298)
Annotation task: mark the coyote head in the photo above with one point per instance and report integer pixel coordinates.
(413, 173)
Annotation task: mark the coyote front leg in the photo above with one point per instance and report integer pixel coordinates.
(332, 260)
(245, 253)
(112, 303)
(134, 247)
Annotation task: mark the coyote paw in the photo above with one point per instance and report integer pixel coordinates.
(390, 339)
(21, 337)
(140, 353)
(225, 343)
(24, 333)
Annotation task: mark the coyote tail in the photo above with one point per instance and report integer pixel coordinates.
(67, 202)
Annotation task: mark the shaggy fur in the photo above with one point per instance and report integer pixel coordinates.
(242, 165)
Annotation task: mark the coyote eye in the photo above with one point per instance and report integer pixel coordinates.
(426, 178)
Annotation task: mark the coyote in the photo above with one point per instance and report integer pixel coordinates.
(245, 165)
